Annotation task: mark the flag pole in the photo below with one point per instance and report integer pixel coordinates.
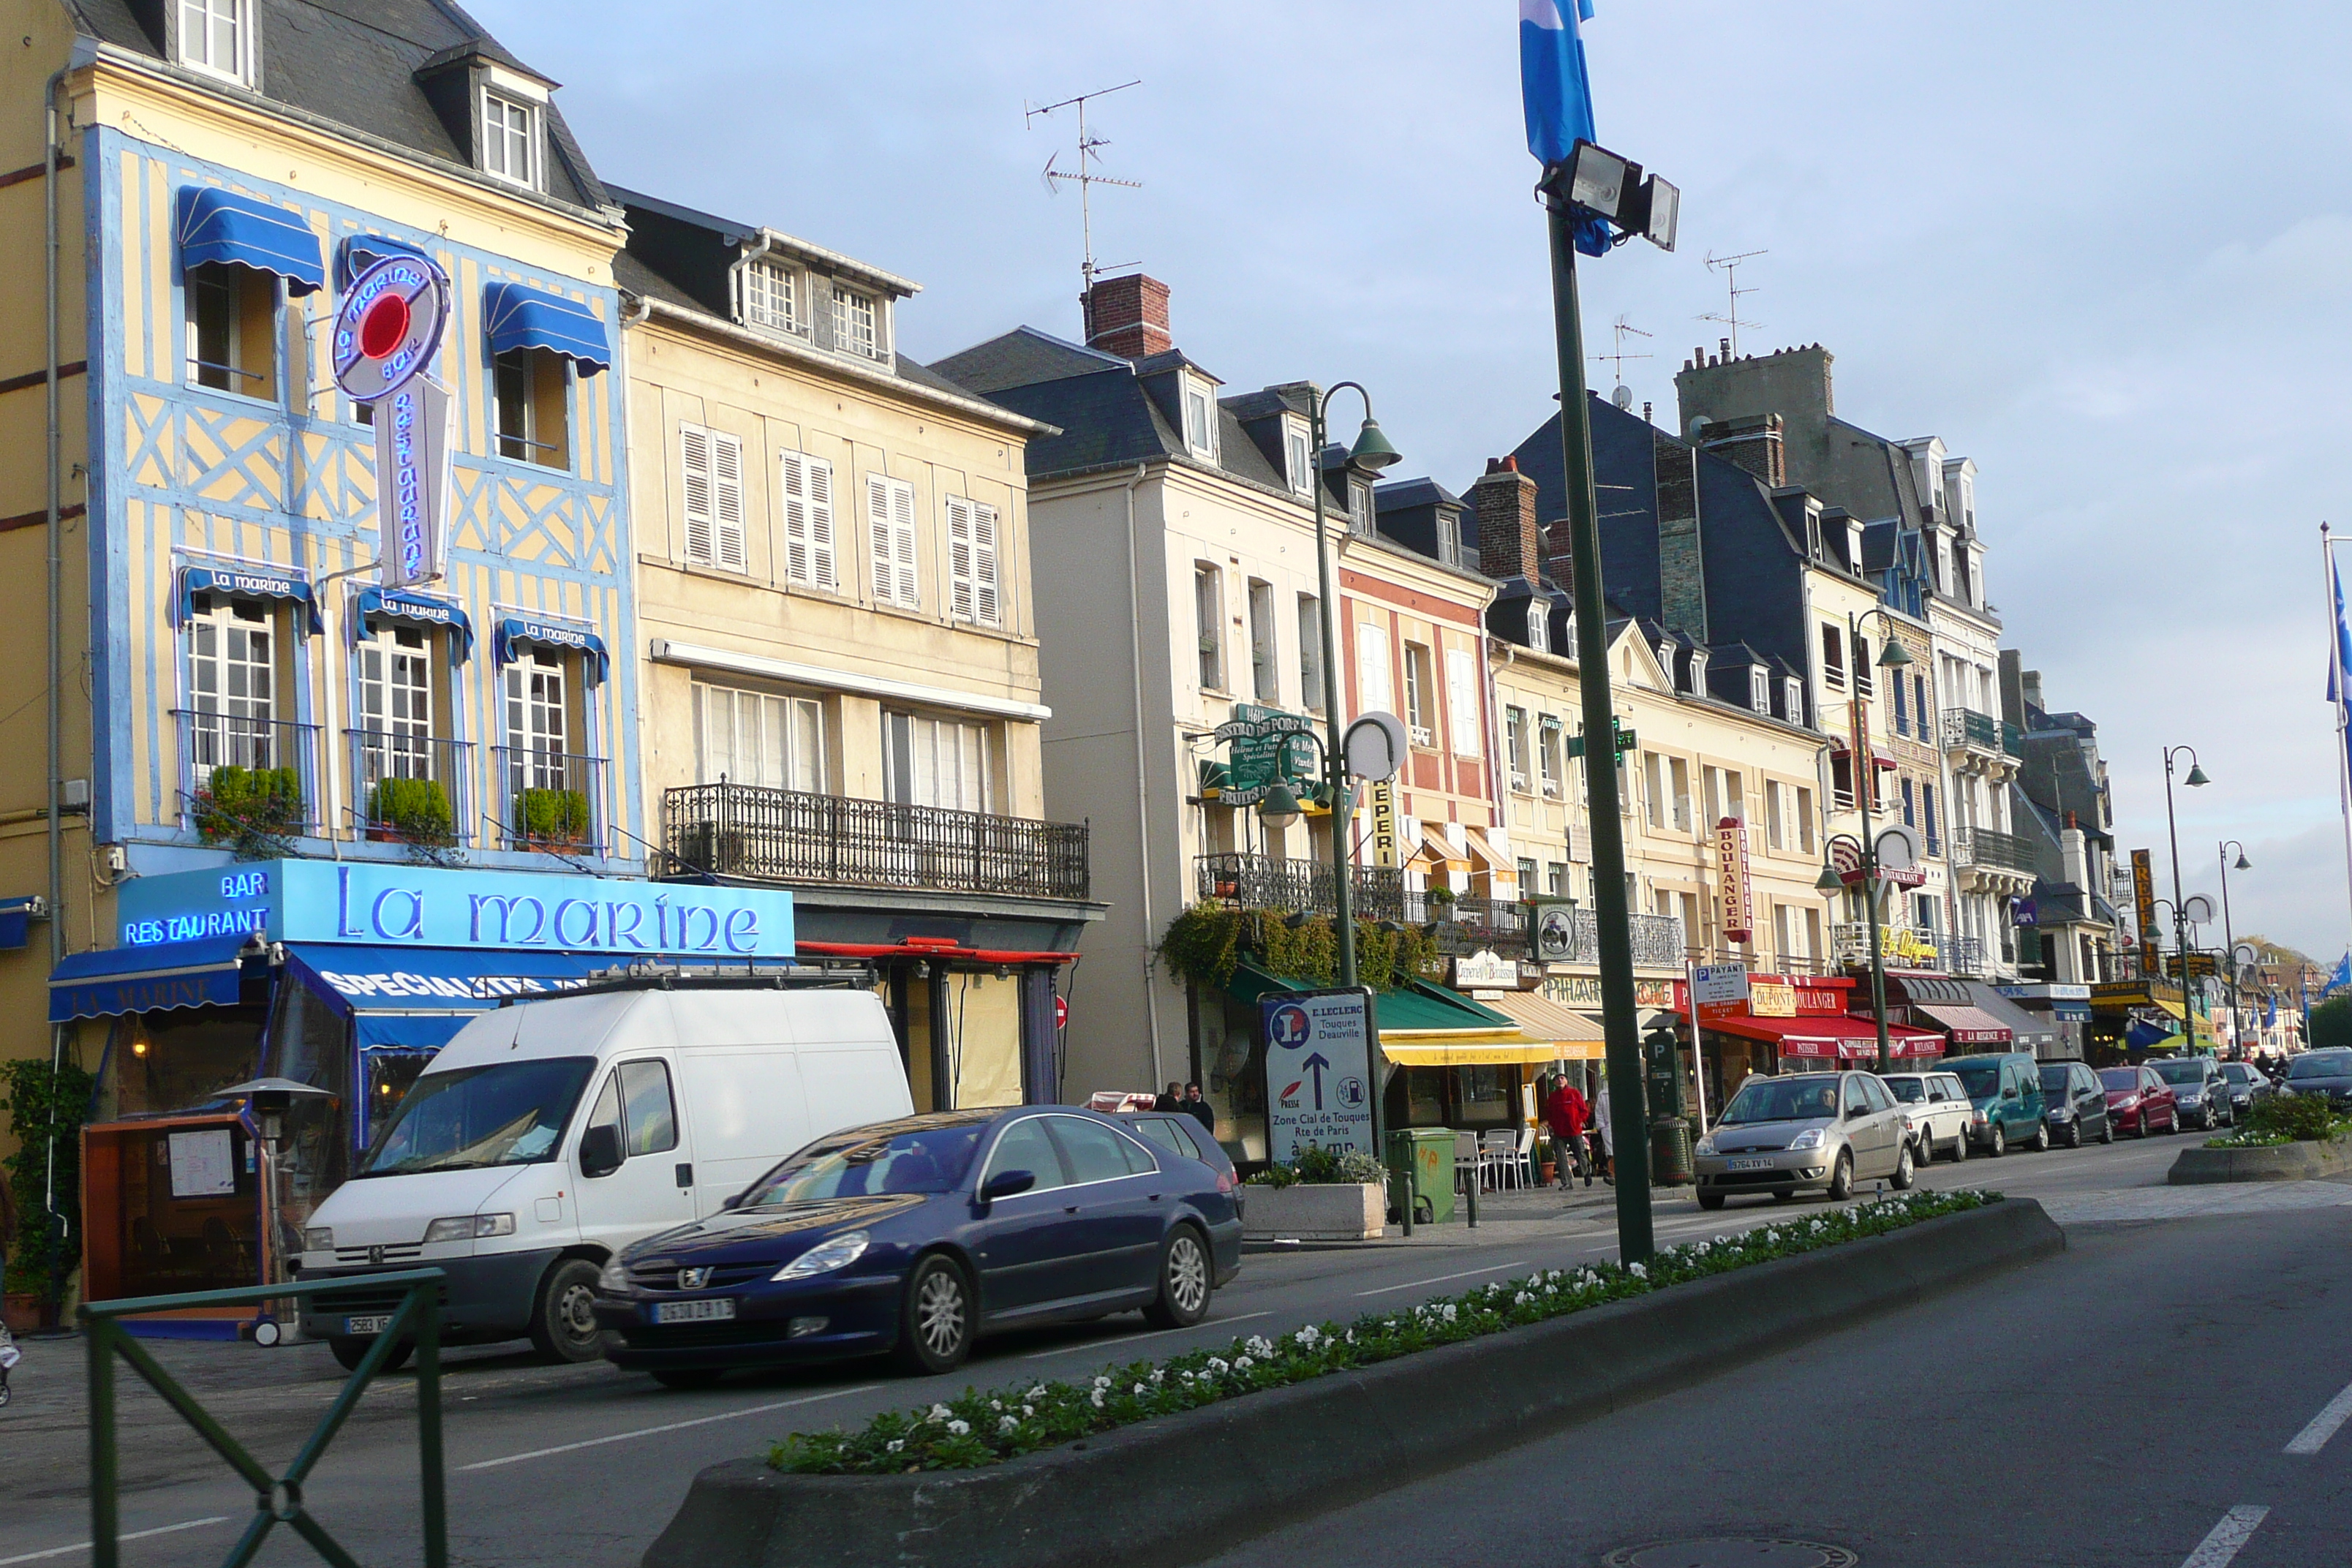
(2331, 586)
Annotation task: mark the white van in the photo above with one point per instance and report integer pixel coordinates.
(549, 1134)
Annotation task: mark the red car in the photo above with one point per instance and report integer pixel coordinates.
(2139, 1102)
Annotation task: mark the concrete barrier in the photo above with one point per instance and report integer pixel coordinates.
(1345, 1211)
(1180, 1489)
(2298, 1162)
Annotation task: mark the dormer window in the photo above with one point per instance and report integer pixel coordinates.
(1793, 700)
(1200, 419)
(1853, 547)
(510, 139)
(1539, 625)
(1759, 692)
(855, 322)
(771, 297)
(1297, 458)
(1360, 506)
(1697, 687)
(216, 36)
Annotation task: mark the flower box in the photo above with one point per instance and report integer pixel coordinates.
(1341, 1211)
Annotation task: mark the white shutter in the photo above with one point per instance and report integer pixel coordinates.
(960, 573)
(878, 532)
(694, 464)
(1373, 692)
(986, 597)
(902, 516)
(727, 500)
(1462, 700)
(820, 522)
(792, 483)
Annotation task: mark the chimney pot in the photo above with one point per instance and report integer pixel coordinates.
(1127, 316)
(1725, 344)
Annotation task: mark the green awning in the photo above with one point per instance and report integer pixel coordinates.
(1421, 1008)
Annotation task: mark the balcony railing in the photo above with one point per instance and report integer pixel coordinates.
(788, 835)
(411, 789)
(551, 801)
(1472, 925)
(241, 775)
(1911, 947)
(2000, 851)
(1965, 728)
(1658, 940)
(1275, 882)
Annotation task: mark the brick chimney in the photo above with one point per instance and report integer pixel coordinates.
(1754, 441)
(1509, 544)
(1127, 316)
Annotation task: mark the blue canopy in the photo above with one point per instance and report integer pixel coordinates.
(519, 631)
(421, 609)
(521, 317)
(251, 582)
(17, 921)
(201, 973)
(362, 251)
(216, 224)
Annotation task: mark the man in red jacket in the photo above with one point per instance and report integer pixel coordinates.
(1567, 1115)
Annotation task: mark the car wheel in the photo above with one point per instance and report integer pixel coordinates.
(2141, 1128)
(685, 1377)
(564, 1324)
(1841, 1177)
(2042, 1138)
(1186, 1281)
(2075, 1135)
(1960, 1147)
(935, 1322)
(1711, 1200)
(1997, 1144)
(2106, 1129)
(1905, 1171)
(349, 1352)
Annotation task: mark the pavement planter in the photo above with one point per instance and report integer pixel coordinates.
(1180, 1487)
(2306, 1161)
(1350, 1211)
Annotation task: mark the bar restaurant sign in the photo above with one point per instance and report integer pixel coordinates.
(423, 906)
(1258, 750)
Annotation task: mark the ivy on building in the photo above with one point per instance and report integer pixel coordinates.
(43, 1109)
(1207, 942)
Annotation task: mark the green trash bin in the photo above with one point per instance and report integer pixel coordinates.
(1670, 1153)
(1428, 1153)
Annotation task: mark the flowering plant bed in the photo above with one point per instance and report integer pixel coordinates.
(982, 1428)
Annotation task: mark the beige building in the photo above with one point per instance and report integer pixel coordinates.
(841, 689)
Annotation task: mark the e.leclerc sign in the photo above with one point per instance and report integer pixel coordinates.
(1318, 1070)
(414, 906)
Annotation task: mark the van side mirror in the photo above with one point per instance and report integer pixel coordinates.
(2010, 1093)
(1005, 1184)
(600, 1151)
(733, 1200)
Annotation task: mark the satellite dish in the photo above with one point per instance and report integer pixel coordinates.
(1624, 398)
(1374, 747)
(1898, 848)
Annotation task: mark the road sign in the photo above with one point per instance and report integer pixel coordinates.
(1319, 1071)
(1626, 740)
(1712, 982)
(1061, 1011)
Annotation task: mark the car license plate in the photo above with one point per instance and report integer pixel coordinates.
(1748, 1164)
(375, 1325)
(692, 1312)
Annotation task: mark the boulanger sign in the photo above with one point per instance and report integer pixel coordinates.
(1738, 899)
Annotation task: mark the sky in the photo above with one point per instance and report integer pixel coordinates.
(2100, 248)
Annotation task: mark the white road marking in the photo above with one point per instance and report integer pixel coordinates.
(2223, 1541)
(1153, 1334)
(672, 1427)
(1442, 1279)
(134, 1535)
(2313, 1437)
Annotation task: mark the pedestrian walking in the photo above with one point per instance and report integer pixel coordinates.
(1170, 1099)
(1196, 1105)
(1567, 1115)
(1602, 1133)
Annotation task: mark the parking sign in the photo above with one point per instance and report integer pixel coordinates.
(1319, 1071)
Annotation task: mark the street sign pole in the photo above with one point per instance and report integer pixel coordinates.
(1628, 1138)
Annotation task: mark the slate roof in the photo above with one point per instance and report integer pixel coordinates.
(634, 276)
(1024, 357)
(355, 63)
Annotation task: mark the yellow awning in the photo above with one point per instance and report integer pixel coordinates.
(1541, 1018)
(1465, 1048)
(2171, 1007)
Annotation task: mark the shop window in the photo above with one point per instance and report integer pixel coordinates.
(233, 318)
(532, 390)
(943, 762)
(759, 739)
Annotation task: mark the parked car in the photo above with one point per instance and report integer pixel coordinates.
(2198, 1085)
(2248, 1083)
(2323, 1072)
(1805, 1133)
(1181, 1134)
(2005, 1089)
(1936, 1111)
(2139, 1102)
(917, 1237)
(551, 1133)
(2075, 1104)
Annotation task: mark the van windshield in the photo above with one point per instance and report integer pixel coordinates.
(1784, 1099)
(509, 1113)
(1981, 1077)
(867, 1161)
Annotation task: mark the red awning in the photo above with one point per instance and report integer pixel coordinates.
(1966, 1025)
(1833, 1037)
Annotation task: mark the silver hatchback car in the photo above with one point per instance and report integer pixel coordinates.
(1813, 1132)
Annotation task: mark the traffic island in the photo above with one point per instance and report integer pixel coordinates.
(1209, 1471)
(2302, 1161)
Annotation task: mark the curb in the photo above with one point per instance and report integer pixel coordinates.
(2303, 1161)
(1342, 1437)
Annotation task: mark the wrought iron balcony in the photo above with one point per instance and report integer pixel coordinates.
(1658, 940)
(1998, 851)
(411, 789)
(1276, 882)
(242, 776)
(552, 801)
(788, 835)
(1472, 925)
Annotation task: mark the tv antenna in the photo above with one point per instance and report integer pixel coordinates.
(1085, 179)
(1624, 396)
(1729, 267)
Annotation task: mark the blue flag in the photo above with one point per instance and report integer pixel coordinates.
(2342, 662)
(2342, 974)
(1559, 93)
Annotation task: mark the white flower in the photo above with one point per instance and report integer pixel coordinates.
(1102, 1382)
(1243, 1364)
(894, 1445)
(1702, 1249)
(1139, 1388)
(1307, 1336)
(1351, 1336)
(1637, 1271)
(1449, 1312)
(1036, 1393)
(1097, 1398)
(959, 1428)
(1521, 1299)
(939, 1412)
(1219, 1364)
(1026, 1412)
(1260, 1345)
(1006, 1423)
(996, 1405)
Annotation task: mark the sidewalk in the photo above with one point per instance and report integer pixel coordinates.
(1529, 1211)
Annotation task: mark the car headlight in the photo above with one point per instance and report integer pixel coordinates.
(1705, 1149)
(319, 1238)
(2190, 1095)
(612, 1278)
(468, 1227)
(2129, 1102)
(833, 1252)
(1811, 1138)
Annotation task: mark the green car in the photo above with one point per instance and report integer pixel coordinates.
(2006, 1090)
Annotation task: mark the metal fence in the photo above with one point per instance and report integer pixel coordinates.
(2001, 851)
(211, 741)
(277, 1499)
(441, 810)
(788, 836)
(1275, 882)
(549, 800)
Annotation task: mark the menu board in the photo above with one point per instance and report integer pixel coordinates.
(202, 1164)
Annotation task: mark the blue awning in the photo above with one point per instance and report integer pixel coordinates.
(518, 316)
(17, 921)
(216, 224)
(199, 973)
(250, 583)
(419, 609)
(521, 631)
(425, 1032)
(447, 982)
(362, 251)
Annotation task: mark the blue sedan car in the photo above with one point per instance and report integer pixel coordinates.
(914, 1237)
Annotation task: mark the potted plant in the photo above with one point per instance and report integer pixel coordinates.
(1547, 1161)
(256, 807)
(413, 811)
(1323, 1194)
(556, 819)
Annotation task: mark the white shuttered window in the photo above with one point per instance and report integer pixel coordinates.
(1462, 701)
(806, 485)
(1375, 692)
(711, 464)
(890, 530)
(974, 575)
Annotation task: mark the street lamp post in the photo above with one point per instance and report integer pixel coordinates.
(2196, 779)
(2229, 939)
(1890, 657)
